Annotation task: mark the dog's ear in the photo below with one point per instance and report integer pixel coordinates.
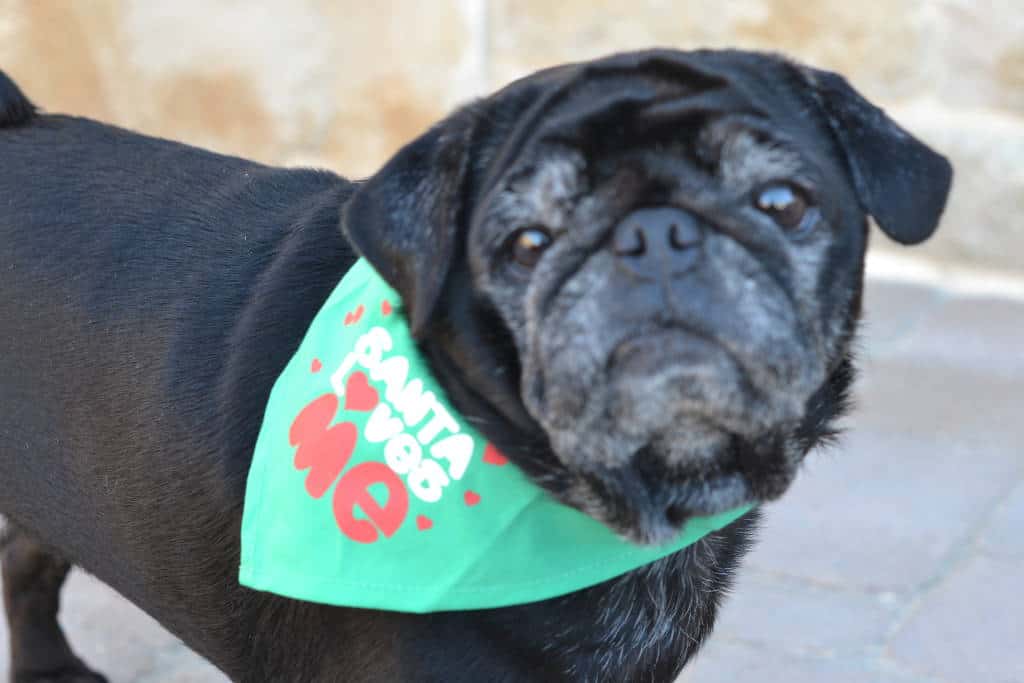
(899, 180)
(405, 219)
(15, 108)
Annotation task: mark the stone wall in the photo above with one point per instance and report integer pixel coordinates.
(343, 83)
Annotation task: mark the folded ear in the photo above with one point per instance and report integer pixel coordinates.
(899, 180)
(405, 219)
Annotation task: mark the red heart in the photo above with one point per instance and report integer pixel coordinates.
(471, 498)
(316, 365)
(423, 523)
(492, 456)
(359, 395)
(353, 317)
(385, 307)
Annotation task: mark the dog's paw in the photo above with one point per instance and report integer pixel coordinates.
(78, 674)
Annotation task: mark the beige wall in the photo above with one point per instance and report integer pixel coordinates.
(344, 83)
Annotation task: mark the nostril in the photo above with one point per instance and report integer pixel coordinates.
(673, 237)
(630, 242)
(683, 237)
(676, 514)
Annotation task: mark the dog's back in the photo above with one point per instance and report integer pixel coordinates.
(141, 327)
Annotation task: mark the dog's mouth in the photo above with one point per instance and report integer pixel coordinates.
(681, 432)
(649, 505)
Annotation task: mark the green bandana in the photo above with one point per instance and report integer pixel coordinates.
(368, 490)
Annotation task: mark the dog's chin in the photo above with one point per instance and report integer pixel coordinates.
(648, 503)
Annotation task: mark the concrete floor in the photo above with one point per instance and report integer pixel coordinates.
(898, 557)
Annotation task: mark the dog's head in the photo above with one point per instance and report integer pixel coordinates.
(648, 267)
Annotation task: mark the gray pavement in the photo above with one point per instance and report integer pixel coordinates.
(898, 556)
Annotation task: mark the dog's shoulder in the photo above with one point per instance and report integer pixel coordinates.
(15, 108)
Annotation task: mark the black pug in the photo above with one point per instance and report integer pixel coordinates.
(641, 275)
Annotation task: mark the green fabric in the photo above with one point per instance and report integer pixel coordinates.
(367, 490)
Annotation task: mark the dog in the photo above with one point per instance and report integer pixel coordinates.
(641, 275)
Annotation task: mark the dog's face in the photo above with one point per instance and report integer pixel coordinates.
(654, 261)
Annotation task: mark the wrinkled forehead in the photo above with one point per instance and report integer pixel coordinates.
(600, 107)
(745, 113)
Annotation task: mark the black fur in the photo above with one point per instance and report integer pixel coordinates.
(15, 108)
(150, 293)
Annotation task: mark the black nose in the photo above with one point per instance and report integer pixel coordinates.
(657, 242)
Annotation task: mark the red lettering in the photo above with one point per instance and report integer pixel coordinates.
(353, 492)
(322, 448)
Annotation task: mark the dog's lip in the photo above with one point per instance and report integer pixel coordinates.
(696, 341)
(661, 522)
(647, 506)
(689, 355)
(654, 505)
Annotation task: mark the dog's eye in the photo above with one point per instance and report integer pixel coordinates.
(784, 203)
(527, 245)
